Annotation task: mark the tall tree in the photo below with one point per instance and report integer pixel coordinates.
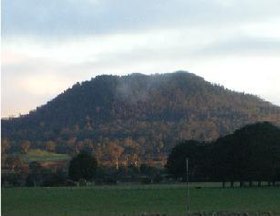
(50, 146)
(83, 166)
(5, 145)
(115, 151)
(35, 177)
(176, 162)
(250, 153)
(25, 145)
(13, 163)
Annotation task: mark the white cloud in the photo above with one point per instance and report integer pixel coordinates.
(43, 84)
(47, 46)
(266, 29)
(226, 3)
(54, 18)
(257, 75)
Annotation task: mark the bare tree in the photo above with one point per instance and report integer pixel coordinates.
(25, 145)
(115, 151)
(50, 146)
(13, 163)
(5, 146)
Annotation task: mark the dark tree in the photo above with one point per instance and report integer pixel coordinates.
(83, 166)
(259, 146)
(224, 157)
(176, 163)
(35, 176)
(249, 154)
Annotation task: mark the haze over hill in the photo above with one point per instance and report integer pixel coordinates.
(147, 113)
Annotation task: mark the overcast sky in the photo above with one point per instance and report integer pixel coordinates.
(48, 45)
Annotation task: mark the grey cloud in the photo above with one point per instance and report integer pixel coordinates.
(240, 46)
(69, 17)
(232, 46)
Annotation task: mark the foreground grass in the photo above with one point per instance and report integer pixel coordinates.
(133, 200)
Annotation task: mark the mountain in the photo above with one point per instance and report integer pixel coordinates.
(147, 113)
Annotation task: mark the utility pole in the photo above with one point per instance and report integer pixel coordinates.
(188, 190)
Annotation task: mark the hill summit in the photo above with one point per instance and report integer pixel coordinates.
(150, 113)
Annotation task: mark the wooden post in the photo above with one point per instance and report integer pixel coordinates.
(188, 191)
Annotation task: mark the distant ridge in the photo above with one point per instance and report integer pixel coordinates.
(152, 112)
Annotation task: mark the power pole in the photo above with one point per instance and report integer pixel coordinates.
(188, 190)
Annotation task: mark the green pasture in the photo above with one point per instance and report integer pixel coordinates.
(43, 156)
(134, 200)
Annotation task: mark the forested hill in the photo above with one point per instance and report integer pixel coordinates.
(147, 113)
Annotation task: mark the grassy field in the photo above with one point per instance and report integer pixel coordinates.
(133, 200)
(43, 156)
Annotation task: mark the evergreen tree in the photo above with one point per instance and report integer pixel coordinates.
(83, 166)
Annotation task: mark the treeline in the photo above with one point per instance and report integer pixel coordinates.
(153, 112)
(250, 154)
(83, 169)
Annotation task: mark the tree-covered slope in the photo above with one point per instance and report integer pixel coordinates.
(147, 113)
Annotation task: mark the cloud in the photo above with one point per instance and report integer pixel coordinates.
(47, 46)
(257, 75)
(70, 17)
(43, 84)
(26, 85)
(242, 46)
(10, 57)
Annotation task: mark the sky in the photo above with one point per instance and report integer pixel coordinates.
(49, 45)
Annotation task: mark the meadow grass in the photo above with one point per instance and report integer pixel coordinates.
(43, 156)
(133, 200)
